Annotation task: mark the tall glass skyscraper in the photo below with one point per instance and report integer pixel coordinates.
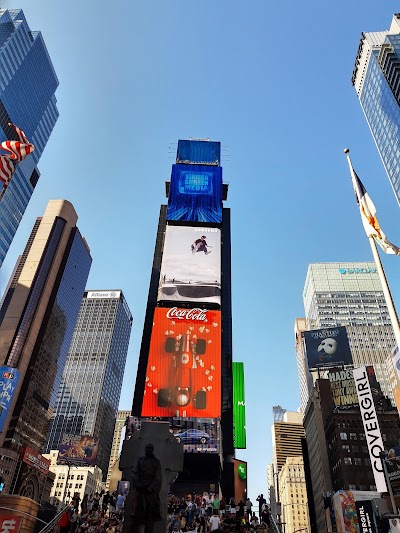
(37, 319)
(376, 79)
(350, 294)
(27, 86)
(88, 396)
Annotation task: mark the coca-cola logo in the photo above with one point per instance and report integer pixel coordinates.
(196, 314)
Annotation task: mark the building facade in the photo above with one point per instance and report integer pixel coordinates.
(117, 442)
(37, 320)
(27, 86)
(376, 80)
(194, 228)
(293, 495)
(350, 294)
(90, 388)
(72, 480)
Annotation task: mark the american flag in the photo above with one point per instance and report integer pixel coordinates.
(16, 151)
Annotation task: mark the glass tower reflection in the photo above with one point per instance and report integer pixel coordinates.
(27, 86)
(90, 388)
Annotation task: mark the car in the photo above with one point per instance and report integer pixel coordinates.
(180, 394)
(193, 436)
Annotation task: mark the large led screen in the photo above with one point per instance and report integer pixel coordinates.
(327, 347)
(239, 406)
(195, 194)
(198, 435)
(78, 449)
(191, 265)
(183, 376)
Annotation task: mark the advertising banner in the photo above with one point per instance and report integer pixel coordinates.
(198, 435)
(183, 377)
(78, 449)
(366, 519)
(34, 458)
(9, 378)
(9, 523)
(345, 507)
(371, 426)
(195, 194)
(343, 387)
(239, 406)
(191, 265)
(327, 347)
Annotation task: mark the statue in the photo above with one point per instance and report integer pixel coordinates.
(146, 480)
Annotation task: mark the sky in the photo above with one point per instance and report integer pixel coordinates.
(272, 82)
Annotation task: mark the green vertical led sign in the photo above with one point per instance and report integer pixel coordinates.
(239, 406)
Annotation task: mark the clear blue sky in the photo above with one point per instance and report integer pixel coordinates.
(271, 81)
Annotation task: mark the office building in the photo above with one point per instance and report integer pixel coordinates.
(88, 396)
(119, 433)
(70, 481)
(350, 294)
(27, 86)
(286, 438)
(287, 432)
(197, 288)
(293, 495)
(304, 375)
(37, 320)
(337, 447)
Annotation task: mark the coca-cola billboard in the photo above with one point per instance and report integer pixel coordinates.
(191, 265)
(183, 377)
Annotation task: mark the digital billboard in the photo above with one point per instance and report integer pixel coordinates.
(198, 435)
(191, 265)
(78, 449)
(327, 347)
(195, 194)
(9, 378)
(239, 406)
(183, 376)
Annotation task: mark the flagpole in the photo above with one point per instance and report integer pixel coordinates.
(382, 276)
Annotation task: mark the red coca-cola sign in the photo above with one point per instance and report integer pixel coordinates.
(196, 314)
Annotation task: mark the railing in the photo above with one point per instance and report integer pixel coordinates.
(274, 526)
(50, 525)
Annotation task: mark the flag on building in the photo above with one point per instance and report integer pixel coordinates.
(16, 151)
(368, 214)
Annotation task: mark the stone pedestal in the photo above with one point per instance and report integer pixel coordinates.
(170, 454)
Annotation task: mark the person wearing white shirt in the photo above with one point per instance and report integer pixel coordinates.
(214, 522)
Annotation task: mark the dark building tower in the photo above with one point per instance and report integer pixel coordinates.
(88, 396)
(28, 83)
(185, 364)
(37, 320)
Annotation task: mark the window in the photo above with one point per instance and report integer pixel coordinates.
(346, 448)
(348, 461)
(343, 436)
(353, 436)
(357, 461)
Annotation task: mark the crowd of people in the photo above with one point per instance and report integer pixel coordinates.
(104, 513)
(207, 513)
(98, 513)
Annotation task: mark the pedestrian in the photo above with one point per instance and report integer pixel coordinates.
(214, 522)
(249, 505)
(261, 500)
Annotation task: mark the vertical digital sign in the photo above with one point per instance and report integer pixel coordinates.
(239, 406)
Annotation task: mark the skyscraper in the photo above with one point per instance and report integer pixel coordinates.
(37, 320)
(188, 325)
(376, 79)
(350, 294)
(88, 396)
(27, 86)
(119, 434)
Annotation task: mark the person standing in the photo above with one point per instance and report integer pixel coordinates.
(261, 501)
(214, 522)
(216, 505)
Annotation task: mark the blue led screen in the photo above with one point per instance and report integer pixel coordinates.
(199, 152)
(195, 194)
